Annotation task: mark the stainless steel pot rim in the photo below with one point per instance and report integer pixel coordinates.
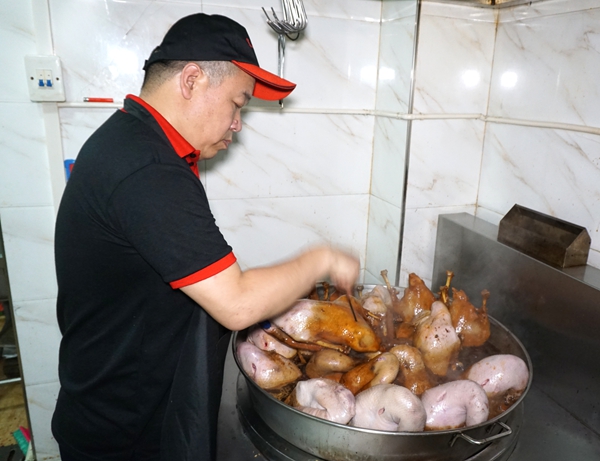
(490, 422)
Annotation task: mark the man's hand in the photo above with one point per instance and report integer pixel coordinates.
(344, 270)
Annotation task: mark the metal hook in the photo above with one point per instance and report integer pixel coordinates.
(294, 21)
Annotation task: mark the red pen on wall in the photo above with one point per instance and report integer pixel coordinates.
(86, 99)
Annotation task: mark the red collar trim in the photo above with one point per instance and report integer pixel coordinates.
(181, 146)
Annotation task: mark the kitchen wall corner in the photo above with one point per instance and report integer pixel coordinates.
(511, 96)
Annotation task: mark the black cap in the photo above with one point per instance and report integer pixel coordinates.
(203, 37)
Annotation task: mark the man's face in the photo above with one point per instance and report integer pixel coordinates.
(215, 114)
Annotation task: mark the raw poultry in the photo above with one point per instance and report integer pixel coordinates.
(263, 340)
(499, 373)
(388, 407)
(455, 404)
(323, 398)
(268, 369)
(503, 377)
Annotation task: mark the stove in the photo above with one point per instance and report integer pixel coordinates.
(561, 411)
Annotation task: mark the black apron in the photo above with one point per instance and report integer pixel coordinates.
(189, 429)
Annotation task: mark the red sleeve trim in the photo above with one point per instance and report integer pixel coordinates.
(205, 273)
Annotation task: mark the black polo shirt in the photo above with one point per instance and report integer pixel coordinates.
(140, 363)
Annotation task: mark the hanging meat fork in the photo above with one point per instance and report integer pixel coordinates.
(294, 21)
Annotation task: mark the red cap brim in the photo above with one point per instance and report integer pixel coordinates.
(268, 86)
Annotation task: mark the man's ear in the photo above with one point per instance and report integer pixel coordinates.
(192, 79)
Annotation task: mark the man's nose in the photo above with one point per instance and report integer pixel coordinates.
(236, 124)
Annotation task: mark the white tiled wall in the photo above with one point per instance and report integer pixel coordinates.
(445, 160)
(534, 62)
(545, 65)
(27, 220)
(545, 68)
(454, 59)
(387, 188)
(389, 141)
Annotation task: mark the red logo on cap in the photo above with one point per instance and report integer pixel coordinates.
(249, 43)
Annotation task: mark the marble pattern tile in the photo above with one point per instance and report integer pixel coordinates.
(551, 171)
(24, 170)
(287, 155)
(383, 240)
(444, 169)
(546, 68)
(546, 8)
(28, 234)
(418, 242)
(114, 38)
(334, 63)
(453, 65)
(263, 231)
(594, 258)
(389, 155)
(395, 64)
(454, 11)
(370, 278)
(488, 215)
(365, 10)
(41, 401)
(77, 125)
(39, 340)
(398, 9)
(104, 44)
(16, 29)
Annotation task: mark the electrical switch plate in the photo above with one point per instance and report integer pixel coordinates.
(44, 78)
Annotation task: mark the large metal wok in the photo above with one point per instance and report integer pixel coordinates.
(336, 442)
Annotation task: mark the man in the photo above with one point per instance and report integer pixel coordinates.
(148, 287)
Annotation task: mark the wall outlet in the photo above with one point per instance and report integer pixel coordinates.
(44, 78)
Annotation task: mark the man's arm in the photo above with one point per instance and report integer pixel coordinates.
(239, 299)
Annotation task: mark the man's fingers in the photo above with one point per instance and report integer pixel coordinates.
(344, 271)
